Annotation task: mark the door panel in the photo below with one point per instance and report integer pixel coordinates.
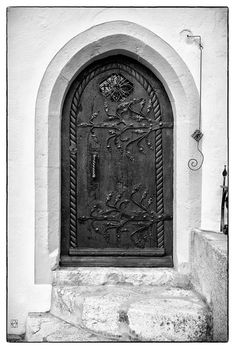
(116, 179)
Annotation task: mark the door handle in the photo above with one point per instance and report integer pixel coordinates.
(93, 166)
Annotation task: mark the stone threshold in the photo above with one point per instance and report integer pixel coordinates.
(84, 276)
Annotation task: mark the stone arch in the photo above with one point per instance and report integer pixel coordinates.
(97, 42)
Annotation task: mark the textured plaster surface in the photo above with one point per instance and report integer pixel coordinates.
(136, 312)
(35, 36)
(209, 276)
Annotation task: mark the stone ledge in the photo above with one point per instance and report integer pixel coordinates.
(217, 241)
(209, 276)
(115, 276)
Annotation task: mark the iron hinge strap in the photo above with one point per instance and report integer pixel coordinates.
(165, 124)
(161, 217)
(164, 217)
(154, 124)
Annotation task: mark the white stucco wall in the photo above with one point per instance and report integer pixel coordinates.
(35, 35)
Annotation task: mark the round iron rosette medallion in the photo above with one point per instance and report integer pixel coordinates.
(116, 87)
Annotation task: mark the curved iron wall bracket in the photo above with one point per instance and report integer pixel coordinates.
(196, 164)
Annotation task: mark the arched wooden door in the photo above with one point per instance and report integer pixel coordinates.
(117, 168)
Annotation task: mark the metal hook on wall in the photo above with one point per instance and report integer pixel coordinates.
(193, 163)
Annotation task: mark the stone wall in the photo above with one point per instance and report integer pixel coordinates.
(209, 276)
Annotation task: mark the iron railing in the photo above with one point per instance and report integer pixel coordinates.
(224, 204)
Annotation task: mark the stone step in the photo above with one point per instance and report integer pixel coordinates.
(130, 312)
(113, 276)
(44, 327)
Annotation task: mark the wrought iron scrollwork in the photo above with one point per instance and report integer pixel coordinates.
(121, 209)
(224, 203)
(196, 164)
(127, 126)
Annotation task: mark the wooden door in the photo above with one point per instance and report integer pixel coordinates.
(117, 168)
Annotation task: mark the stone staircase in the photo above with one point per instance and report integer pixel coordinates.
(121, 304)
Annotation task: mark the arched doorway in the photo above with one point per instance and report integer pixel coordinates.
(116, 167)
(162, 59)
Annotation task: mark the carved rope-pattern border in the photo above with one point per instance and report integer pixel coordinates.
(73, 147)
